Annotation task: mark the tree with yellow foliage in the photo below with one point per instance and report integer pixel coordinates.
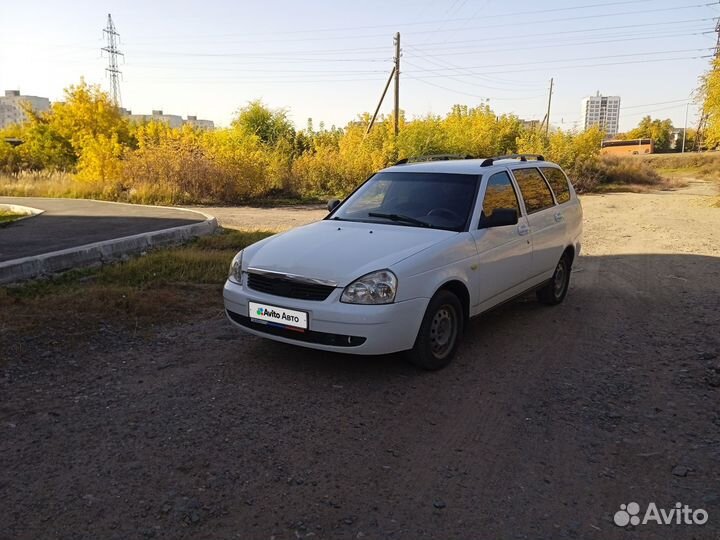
(709, 94)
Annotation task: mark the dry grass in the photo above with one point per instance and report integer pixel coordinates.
(613, 173)
(645, 172)
(680, 167)
(43, 184)
(704, 165)
(166, 285)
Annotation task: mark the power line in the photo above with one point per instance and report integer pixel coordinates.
(434, 21)
(581, 66)
(564, 44)
(343, 51)
(651, 111)
(409, 75)
(535, 62)
(477, 84)
(623, 107)
(524, 21)
(580, 31)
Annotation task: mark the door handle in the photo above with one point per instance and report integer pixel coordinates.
(558, 216)
(523, 229)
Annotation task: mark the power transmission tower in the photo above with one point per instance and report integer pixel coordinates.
(113, 52)
(397, 83)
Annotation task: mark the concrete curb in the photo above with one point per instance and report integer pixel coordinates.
(29, 211)
(99, 253)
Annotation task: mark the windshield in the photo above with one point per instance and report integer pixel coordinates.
(413, 199)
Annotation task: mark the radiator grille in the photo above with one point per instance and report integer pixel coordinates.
(288, 288)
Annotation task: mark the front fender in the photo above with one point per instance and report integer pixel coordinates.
(421, 275)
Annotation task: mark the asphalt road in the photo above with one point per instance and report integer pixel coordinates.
(69, 223)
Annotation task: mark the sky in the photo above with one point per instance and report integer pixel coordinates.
(329, 60)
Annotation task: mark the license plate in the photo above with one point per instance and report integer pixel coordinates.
(277, 316)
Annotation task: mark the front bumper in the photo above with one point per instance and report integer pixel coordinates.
(333, 326)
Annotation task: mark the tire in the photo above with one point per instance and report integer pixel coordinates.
(555, 290)
(439, 333)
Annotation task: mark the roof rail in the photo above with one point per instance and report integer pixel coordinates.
(434, 157)
(521, 157)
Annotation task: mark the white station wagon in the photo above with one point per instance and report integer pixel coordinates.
(414, 252)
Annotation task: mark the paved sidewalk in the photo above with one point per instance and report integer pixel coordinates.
(68, 223)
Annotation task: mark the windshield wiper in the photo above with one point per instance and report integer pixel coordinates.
(401, 218)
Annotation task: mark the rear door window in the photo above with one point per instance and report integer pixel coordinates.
(534, 190)
(499, 193)
(558, 182)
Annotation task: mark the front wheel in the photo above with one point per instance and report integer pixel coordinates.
(556, 289)
(439, 333)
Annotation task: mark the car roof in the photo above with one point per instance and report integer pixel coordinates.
(466, 166)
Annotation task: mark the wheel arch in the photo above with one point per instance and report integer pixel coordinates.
(459, 289)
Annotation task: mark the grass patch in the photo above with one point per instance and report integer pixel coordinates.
(7, 217)
(165, 285)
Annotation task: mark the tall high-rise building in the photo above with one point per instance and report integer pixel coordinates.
(603, 111)
(11, 111)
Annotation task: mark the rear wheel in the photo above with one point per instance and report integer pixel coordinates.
(439, 333)
(556, 289)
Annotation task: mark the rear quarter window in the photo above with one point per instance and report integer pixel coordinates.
(558, 182)
(534, 190)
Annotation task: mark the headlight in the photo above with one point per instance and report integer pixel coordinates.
(235, 273)
(375, 288)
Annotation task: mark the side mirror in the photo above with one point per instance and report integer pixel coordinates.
(332, 204)
(500, 217)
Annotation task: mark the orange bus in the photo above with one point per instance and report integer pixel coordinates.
(631, 146)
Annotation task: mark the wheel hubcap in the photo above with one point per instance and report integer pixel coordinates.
(443, 330)
(559, 282)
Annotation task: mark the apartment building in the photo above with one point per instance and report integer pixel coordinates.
(11, 110)
(603, 111)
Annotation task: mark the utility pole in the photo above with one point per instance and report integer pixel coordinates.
(397, 83)
(547, 116)
(700, 133)
(111, 48)
(687, 106)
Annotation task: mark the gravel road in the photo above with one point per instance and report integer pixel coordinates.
(548, 420)
(252, 218)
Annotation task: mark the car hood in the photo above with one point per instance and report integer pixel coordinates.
(340, 251)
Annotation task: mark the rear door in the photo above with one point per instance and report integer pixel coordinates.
(568, 204)
(546, 223)
(504, 253)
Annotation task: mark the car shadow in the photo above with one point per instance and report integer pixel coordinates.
(613, 296)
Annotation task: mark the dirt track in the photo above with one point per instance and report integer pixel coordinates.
(548, 420)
